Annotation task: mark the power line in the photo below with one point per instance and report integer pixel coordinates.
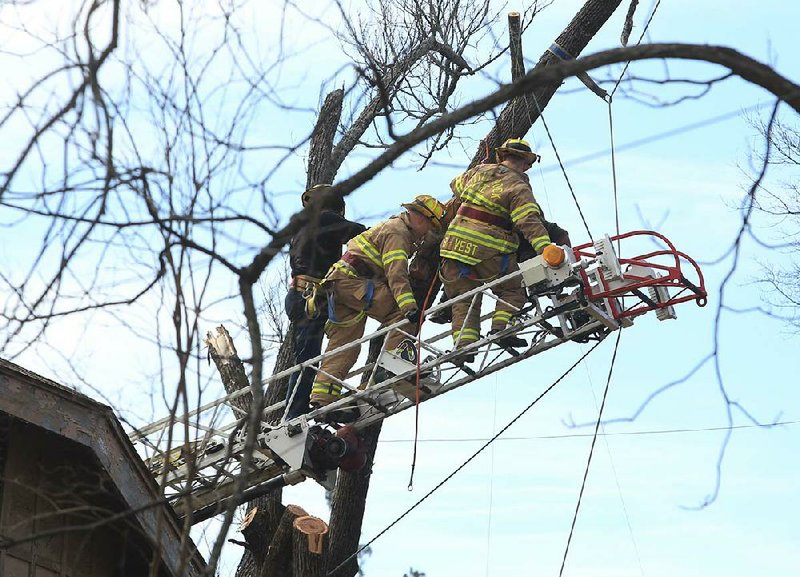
(558, 158)
(600, 434)
(591, 452)
(659, 136)
(465, 463)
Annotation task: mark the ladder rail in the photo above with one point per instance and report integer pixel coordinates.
(201, 473)
(177, 480)
(377, 390)
(311, 363)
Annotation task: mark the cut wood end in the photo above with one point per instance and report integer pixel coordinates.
(221, 342)
(248, 519)
(513, 14)
(296, 510)
(313, 528)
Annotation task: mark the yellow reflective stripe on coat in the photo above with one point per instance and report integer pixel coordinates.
(540, 242)
(369, 249)
(458, 184)
(525, 210)
(459, 257)
(345, 268)
(334, 389)
(394, 255)
(405, 299)
(475, 197)
(503, 246)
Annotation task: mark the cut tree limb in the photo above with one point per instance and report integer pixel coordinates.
(308, 550)
(519, 114)
(222, 351)
(314, 529)
(278, 560)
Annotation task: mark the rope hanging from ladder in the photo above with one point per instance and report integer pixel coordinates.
(467, 461)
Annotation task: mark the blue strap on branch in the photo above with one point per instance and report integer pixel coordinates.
(584, 77)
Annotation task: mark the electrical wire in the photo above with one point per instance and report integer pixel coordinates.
(558, 158)
(600, 434)
(616, 477)
(465, 463)
(591, 452)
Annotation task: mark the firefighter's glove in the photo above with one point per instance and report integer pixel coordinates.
(413, 316)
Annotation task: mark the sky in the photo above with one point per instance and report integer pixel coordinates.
(509, 511)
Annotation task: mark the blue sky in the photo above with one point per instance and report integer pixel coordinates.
(509, 511)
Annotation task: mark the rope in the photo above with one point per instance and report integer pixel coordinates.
(591, 451)
(641, 36)
(417, 395)
(465, 463)
(609, 100)
(558, 157)
(602, 433)
(613, 170)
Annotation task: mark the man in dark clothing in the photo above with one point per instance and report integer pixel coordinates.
(311, 253)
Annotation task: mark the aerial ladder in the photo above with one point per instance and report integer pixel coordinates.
(575, 294)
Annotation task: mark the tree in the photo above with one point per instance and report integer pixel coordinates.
(187, 181)
(780, 202)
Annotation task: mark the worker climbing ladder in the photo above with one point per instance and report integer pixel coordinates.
(575, 294)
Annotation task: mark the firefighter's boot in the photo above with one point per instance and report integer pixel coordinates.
(509, 341)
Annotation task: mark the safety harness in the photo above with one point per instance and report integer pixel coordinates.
(309, 287)
(486, 217)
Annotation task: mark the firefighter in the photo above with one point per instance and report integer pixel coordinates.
(494, 202)
(371, 280)
(311, 252)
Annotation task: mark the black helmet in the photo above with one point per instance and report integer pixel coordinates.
(335, 204)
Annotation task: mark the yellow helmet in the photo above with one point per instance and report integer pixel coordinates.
(428, 207)
(518, 147)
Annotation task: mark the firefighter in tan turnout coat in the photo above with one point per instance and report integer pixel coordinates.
(371, 280)
(481, 243)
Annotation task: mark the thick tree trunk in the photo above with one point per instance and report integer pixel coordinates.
(349, 498)
(270, 511)
(349, 504)
(320, 168)
(519, 115)
(278, 561)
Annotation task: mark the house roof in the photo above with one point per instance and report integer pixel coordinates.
(70, 414)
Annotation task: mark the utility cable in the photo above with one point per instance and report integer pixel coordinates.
(491, 482)
(558, 157)
(591, 451)
(616, 478)
(641, 36)
(465, 463)
(601, 434)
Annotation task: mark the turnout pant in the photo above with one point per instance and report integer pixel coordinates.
(350, 302)
(459, 278)
(307, 340)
